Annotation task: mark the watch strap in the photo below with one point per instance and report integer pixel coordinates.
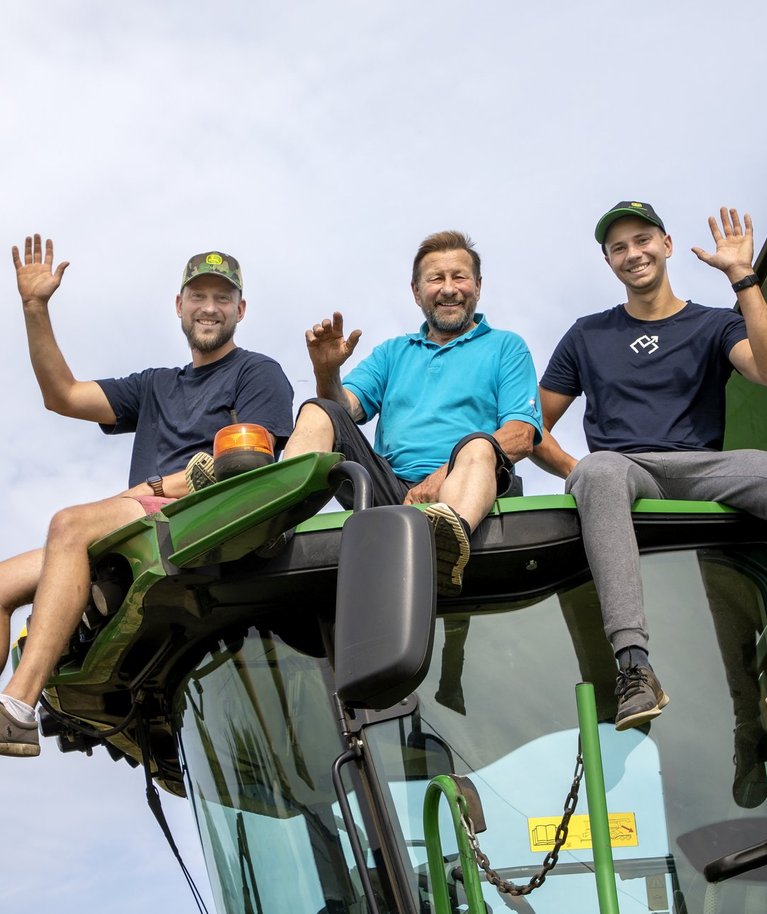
(745, 283)
(155, 483)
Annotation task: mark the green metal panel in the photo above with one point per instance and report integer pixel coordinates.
(236, 516)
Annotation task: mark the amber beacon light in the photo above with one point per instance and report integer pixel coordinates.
(241, 447)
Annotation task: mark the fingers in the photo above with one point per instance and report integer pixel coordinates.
(33, 251)
(731, 222)
(331, 329)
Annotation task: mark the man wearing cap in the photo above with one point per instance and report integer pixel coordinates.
(174, 413)
(456, 403)
(653, 371)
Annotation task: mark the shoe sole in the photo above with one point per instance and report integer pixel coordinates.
(643, 717)
(199, 472)
(452, 547)
(19, 750)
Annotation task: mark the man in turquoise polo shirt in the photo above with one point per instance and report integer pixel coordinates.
(457, 404)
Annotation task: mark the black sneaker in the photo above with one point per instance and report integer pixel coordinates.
(453, 548)
(749, 788)
(16, 737)
(640, 697)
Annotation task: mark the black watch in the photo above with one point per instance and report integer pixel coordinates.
(155, 482)
(746, 282)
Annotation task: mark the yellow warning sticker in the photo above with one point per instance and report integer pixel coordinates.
(623, 832)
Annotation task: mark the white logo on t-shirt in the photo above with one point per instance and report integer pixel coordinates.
(647, 343)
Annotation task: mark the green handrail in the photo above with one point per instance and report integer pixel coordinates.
(444, 784)
(597, 800)
(439, 785)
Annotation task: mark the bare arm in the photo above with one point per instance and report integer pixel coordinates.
(548, 455)
(62, 392)
(516, 439)
(733, 256)
(328, 350)
(173, 485)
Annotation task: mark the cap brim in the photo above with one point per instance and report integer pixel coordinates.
(607, 220)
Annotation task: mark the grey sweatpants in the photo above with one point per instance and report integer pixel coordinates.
(605, 485)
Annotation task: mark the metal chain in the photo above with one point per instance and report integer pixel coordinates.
(550, 860)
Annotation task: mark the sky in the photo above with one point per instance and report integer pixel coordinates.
(319, 142)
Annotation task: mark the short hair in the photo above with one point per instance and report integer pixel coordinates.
(446, 241)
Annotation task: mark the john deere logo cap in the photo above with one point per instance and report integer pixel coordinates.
(213, 262)
(627, 208)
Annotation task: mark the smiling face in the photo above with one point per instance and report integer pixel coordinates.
(447, 292)
(210, 309)
(637, 253)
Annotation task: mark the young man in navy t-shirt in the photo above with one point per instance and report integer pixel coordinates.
(653, 371)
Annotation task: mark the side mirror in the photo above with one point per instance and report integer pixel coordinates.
(385, 606)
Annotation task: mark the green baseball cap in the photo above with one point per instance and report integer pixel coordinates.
(627, 208)
(216, 264)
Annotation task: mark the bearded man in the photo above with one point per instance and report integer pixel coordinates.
(174, 413)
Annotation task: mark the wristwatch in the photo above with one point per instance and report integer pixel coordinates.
(155, 482)
(746, 282)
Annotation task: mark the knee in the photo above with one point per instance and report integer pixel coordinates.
(67, 527)
(602, 468)
(477, 451)
(313, 415)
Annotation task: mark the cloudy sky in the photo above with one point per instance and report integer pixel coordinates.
(319, 142)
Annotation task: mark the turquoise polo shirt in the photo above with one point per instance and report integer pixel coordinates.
(427, 396)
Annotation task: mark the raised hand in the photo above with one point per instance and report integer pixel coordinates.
(734, 246)
(328, 348)
(36, 278)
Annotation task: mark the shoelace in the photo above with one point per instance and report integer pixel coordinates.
(630, 681)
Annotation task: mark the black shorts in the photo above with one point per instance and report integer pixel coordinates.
(389, 489)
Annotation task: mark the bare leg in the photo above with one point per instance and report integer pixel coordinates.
(18, 581)
(313, 432)
(62, 592)
(471, 487)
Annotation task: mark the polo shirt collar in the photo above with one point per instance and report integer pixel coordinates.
(481, 328)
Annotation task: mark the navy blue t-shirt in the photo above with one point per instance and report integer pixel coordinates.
(649, 385)
(176, 412)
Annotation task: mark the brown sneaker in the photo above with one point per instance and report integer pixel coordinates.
(16, 737)
(453, 548)
(640, 697)
(199, 472)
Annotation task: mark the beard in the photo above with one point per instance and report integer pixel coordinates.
(456, 323)
(207, 343)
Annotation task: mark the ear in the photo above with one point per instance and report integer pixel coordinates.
(668, 244)
(178, 305)
(416, 294)
(479, 286)
(241, 306)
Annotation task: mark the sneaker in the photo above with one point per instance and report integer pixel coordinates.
(640, 697)
(749, 788)
(16, 737)
(199, 472)
(453, 548)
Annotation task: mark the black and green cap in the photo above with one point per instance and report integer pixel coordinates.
(216, 264)
(627, 208)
